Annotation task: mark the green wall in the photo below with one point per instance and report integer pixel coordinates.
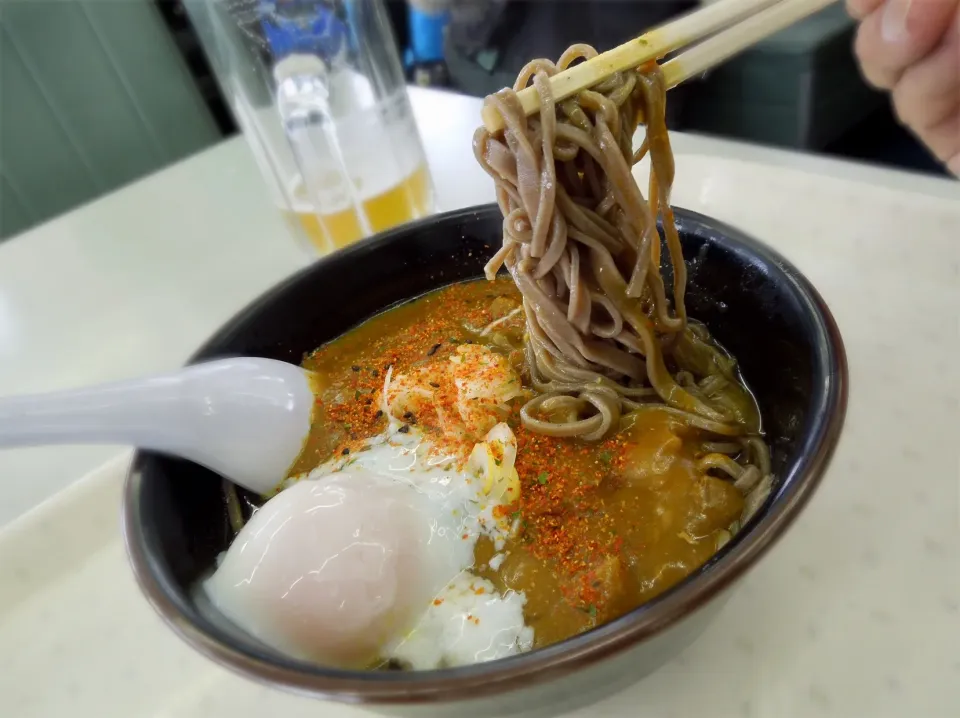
(93, 95)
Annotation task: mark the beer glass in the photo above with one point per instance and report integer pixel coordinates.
(317, 89)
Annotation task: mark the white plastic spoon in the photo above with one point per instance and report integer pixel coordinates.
(244, 418)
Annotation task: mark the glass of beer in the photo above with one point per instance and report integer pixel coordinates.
(318, 90)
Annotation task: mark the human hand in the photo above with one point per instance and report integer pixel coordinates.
(912, 48)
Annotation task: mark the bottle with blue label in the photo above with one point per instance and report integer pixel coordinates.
(428, 21)
(319, 91)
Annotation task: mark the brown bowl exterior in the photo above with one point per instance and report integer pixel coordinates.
(754, 302)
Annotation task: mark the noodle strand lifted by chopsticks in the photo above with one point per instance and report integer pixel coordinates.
(581, 244)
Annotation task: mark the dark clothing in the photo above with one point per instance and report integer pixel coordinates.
(489, 41)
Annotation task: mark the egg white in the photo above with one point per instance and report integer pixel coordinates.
(386, 572)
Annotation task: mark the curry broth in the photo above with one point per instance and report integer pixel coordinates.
(603, 526)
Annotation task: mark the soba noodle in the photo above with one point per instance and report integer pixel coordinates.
(581, 244)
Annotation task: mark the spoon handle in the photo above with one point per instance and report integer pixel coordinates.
(244, 418)
(148, 413)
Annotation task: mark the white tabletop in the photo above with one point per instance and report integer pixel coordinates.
(134, 282)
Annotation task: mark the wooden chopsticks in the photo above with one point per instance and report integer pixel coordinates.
(728, 43)
(747, 22)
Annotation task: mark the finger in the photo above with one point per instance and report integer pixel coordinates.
(929, 92)
(859, 9)
(944, 140)
(874, 70)
(900, 33)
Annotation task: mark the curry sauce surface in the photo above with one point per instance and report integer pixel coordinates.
(603, 526)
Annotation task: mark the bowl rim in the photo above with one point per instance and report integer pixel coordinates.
(828, 411)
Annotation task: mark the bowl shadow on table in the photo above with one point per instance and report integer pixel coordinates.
(176, 526)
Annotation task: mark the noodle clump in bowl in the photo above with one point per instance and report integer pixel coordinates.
(581, 244)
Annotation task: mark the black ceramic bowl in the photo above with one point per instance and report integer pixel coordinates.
(753, 301)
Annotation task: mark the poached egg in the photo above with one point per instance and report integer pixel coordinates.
(369, 558)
